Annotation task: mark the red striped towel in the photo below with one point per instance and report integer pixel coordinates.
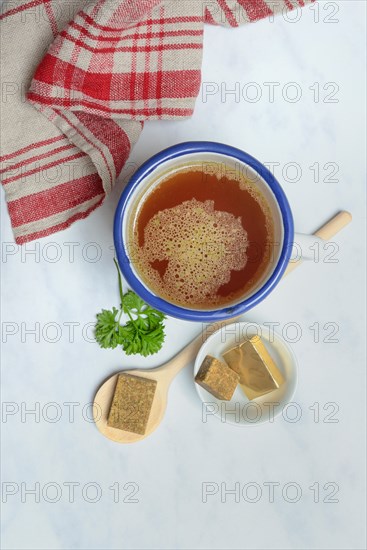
(100, 68)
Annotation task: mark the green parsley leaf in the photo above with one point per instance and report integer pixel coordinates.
(147, 317)
(132, 301)
(144, 342)
(106, 329)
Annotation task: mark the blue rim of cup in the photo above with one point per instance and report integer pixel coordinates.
(166, 307)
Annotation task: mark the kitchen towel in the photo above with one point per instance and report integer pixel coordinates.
(79, 78)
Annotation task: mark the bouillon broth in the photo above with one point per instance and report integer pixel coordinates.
(201, 237)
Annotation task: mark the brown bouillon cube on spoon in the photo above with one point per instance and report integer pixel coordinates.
(132, 403)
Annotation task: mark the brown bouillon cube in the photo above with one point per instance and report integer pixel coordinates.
(131, 403)
(217, 378)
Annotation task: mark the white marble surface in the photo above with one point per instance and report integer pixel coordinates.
(171, 466)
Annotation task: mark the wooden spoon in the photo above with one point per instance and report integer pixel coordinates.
(163, 375)
(166, 373)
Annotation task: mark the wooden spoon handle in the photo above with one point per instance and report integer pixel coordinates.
(333, 226)
(325, 232)
(189, 352)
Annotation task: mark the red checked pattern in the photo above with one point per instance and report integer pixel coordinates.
(109, 67)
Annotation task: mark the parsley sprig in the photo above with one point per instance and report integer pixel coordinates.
(142, 334)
